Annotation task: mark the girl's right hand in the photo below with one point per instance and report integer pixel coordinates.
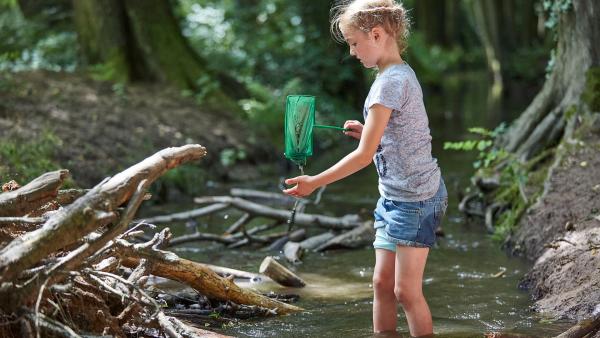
(355, 128)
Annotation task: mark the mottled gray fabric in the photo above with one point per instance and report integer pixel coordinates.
(407, 171)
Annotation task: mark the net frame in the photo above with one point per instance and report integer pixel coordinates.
(299, 124)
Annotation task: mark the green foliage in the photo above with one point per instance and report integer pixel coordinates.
(514, 175)
(35, 44)
(554, 9)
(487, 155)
(230, 156)
(23, 161)
(434, 61)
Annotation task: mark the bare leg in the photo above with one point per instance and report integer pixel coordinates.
(410, 264)
(384, 301)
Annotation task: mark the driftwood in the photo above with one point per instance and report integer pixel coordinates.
(314, 242)
(295, 236)
(198, 276)
(292, 251)
(346, 222)
(66, 277)
(356, 238)
(33, 195)
(182, 216)
(174, 328)
(95, 209)
(226, 272)
(279, 273)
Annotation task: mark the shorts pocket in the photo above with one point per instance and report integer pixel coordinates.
(402, 221)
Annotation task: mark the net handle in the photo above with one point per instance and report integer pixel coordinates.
(330, 127)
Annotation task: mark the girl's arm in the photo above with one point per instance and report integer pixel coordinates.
(361, 157)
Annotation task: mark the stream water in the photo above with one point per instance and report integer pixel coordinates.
(465, 298)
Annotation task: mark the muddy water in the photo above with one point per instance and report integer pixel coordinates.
(465, 297)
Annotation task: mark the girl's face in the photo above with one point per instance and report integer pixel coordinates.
(363, 46)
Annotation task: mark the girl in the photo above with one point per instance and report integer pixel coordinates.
(396, 137)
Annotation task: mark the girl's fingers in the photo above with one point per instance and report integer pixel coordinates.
(291, 180)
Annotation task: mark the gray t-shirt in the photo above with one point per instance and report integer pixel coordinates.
(407, 171)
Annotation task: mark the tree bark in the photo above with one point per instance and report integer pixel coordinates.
(202, 278)
(279, 273)
(33, 195)
(578, 49)
(142, 40)
(88, 212)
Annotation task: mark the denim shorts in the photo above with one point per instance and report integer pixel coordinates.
(409, 223)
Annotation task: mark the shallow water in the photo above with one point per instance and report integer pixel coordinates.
(465, 298)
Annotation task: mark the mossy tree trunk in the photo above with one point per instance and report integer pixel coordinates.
(543, 123)
(142, 40)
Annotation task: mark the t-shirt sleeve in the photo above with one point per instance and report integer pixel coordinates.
(389, 92)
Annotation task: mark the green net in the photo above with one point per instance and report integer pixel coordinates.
(299, 123)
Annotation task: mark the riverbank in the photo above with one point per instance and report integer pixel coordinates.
(561, 232)
(53, 120)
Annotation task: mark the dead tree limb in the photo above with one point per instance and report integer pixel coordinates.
(356, 238)
(85, 214)
(198, 276)
(280, 273)
(33, 195)
(175, 328)
(255, 209)
(182, 216)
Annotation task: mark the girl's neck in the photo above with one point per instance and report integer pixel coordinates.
(385, 62)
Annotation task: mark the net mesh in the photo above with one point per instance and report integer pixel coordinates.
(299, 123)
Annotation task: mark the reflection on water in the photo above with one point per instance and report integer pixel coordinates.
(465, 287)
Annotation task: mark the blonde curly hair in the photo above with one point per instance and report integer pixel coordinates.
(364, 15)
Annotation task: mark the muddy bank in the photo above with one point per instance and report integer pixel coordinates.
(103, 128)
(561, 232)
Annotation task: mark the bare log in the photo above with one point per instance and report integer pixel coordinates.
(33, 195)
(255, 209)
(248, 193)
(182, 216)
(312, 243)
(226, 272)
(352, 239)
(295, 236)
(293, 252)
(88, 212)
(177, 329)
(26, 222)
(198, 276)
(242, 221)
(279, 273)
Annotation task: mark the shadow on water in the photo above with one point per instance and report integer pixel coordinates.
(465, 297)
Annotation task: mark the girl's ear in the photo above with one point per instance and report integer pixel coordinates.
(376, 33)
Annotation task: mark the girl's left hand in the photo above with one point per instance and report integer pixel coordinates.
(304, 186)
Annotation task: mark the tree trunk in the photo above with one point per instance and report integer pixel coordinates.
(578, 49)
(142, 40)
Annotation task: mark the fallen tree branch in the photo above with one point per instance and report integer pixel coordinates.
(33, 195)
(182, 216)
(78, 219)
(198, 276)
(255, 209)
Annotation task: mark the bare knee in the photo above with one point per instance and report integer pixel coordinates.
(383, 282)
(407, 296)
